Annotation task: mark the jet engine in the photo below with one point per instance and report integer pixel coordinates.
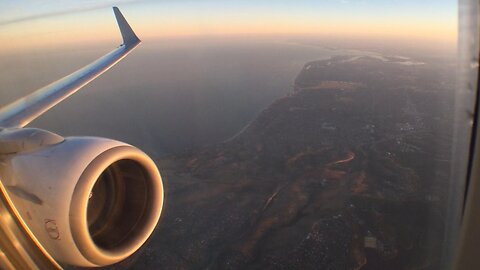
(89, 201)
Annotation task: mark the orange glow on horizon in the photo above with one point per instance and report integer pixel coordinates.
(67, 30)
(443, 33)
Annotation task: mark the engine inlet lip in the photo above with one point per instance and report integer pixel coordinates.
(79, 206)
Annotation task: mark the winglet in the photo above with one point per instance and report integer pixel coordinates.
(24, 110)
(129, 37)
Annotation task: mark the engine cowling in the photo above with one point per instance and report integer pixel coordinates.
(89, 201)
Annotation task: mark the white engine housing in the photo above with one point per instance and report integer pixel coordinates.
(89, 201)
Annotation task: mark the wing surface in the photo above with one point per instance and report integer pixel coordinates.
(24, 110)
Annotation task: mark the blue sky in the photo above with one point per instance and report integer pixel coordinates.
(21, 9)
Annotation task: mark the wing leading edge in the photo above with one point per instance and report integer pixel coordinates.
(24, 110)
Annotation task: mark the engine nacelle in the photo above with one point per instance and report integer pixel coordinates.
(89, 201)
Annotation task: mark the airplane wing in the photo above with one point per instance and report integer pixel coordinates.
(49, 216)
(21, 112)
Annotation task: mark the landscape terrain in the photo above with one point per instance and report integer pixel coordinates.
(347, 171)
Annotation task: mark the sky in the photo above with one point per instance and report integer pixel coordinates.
(35, 23)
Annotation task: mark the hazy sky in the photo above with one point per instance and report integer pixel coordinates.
(46, 22)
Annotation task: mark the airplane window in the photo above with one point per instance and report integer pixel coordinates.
(235, 134)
